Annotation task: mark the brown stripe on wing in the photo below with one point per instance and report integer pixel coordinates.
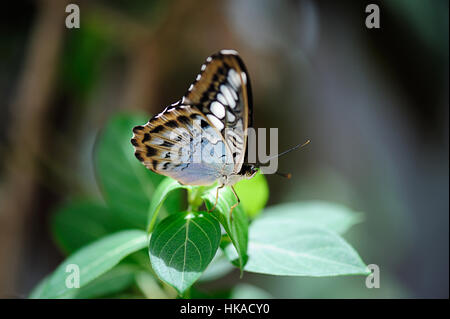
(154, 142)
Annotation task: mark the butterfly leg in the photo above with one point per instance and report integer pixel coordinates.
(217, 198)
(234, 206)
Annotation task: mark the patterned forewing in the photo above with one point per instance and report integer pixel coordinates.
(222, 92)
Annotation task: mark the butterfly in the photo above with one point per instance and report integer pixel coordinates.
(202, 138)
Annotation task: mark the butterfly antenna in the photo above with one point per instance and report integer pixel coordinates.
(289, 175)
(285, 175)
(289, 150)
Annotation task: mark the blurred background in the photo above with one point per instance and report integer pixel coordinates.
(374, 103)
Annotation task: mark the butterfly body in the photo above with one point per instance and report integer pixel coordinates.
(202, 139)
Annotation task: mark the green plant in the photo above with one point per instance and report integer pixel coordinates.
(143, 242)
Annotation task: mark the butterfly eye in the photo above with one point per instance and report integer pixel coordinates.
(252, 172)
(248, 171)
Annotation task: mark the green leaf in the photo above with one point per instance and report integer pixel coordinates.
(38, 290)
(151, 288)
(174, 202)
(161, 193)
(182, 246)
(94, 260)
(288, 247)
(334, 217)
(139, 259)
(78, 223)
(236, 227)
(253, 194)
(247, 291)
(114, 281)
(127, 185)
(219, 267)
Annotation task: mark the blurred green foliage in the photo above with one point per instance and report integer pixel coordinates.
(108, 243)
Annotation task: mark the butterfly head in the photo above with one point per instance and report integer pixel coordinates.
(248, 171)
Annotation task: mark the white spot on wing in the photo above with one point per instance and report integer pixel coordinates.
(233, 93)
(230, 116)
(228, 96)
(217, 109)
(215, 121)
(233, 52)
(221, 99)
(199, 76)
(234, 79)
(244, 77)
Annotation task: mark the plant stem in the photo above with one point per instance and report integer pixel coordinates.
(195, 198)
(187, 294)
(152, 224)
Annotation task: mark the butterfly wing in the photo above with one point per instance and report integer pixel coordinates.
(182, 143)
(223, 94)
